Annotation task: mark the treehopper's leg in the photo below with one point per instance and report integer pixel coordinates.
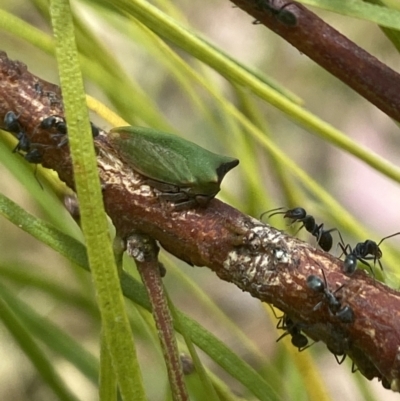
(180, 201)
(172, 193)
(162, 186)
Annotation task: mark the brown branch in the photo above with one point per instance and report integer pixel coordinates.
(144, 250)
(259, 259)
(331, 50)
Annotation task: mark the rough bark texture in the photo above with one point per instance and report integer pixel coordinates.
(259, 259)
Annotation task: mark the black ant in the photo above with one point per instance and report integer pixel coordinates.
(338, 344)
(344, 314)
(298, 214)
(34, 156)
(54, 122)
(58, 123)
(299, 340)
(363, 251)
(282, 15)
(12, 124)
(342, 355)
(24, 144)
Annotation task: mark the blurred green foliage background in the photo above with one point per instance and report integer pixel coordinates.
(152, 81)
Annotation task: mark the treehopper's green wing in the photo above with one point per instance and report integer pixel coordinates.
(173, 164)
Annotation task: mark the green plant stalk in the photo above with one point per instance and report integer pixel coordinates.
(376, 13)
(108, 381)
(392, 34)
(93, 218)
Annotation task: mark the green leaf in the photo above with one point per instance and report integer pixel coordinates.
(376, 13)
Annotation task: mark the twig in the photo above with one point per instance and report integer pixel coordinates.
(259, 259)
(331, 50)
(145, 250)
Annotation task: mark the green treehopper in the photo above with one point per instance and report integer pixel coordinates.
(182, 171)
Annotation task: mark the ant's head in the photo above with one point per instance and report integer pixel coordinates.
(296, 213)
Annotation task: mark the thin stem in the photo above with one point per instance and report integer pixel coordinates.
(331, 50)
(145, 251)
